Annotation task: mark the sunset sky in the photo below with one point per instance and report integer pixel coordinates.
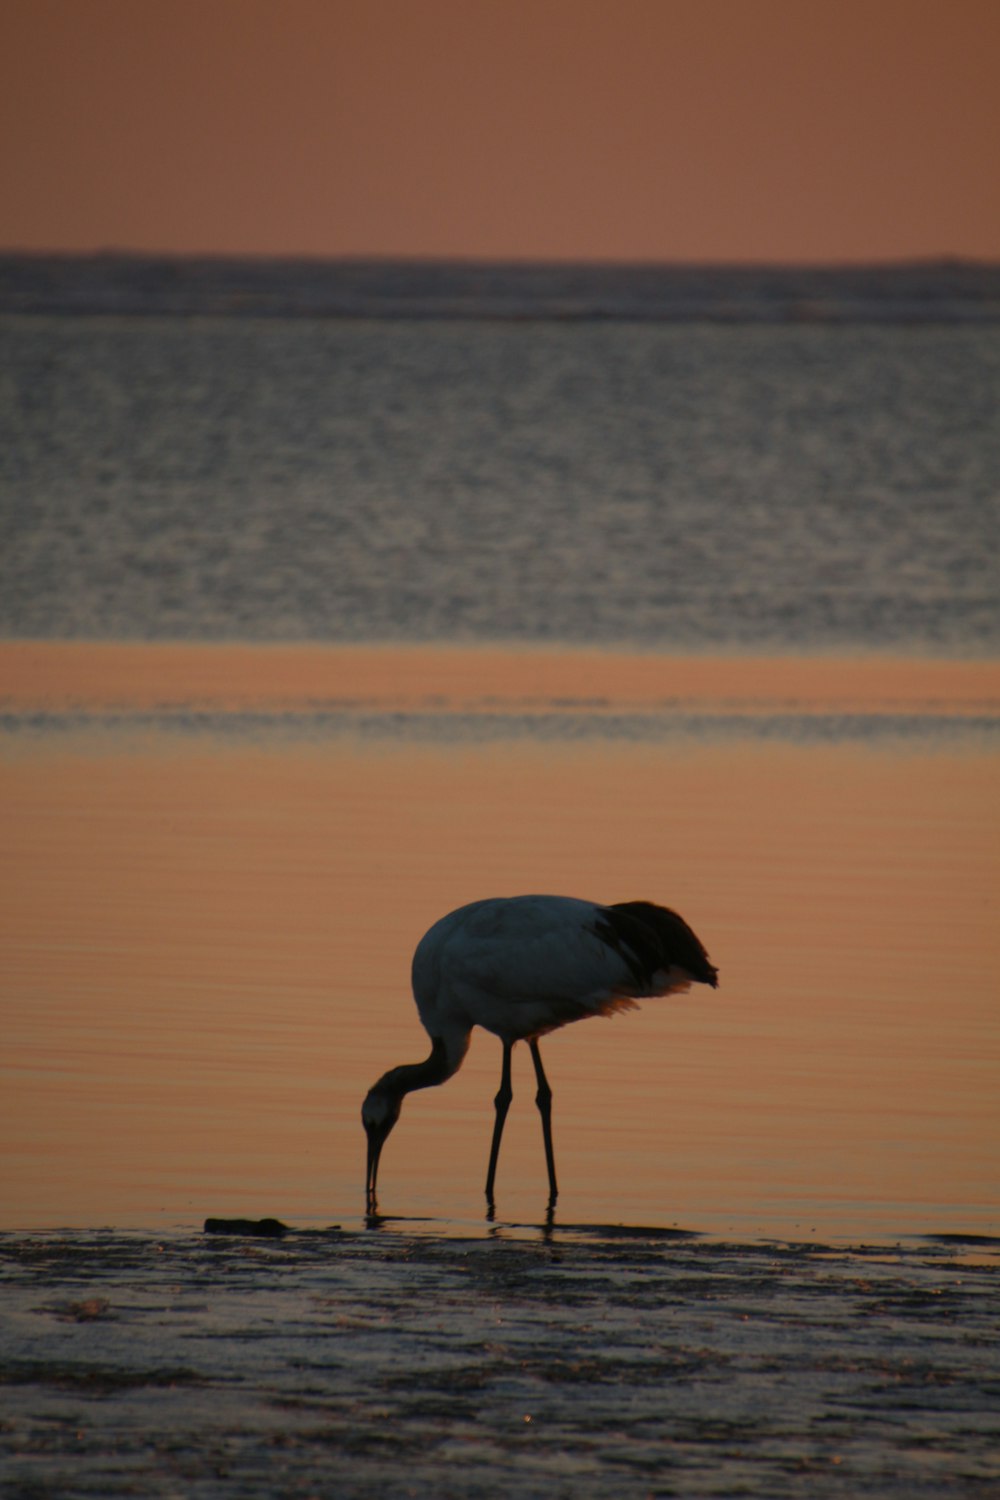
(572, 129)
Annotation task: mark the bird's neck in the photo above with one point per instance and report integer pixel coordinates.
(424, 1075)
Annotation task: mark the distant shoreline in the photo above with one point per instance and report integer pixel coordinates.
(117, 284)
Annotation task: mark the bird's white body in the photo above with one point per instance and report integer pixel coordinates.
(522, 966)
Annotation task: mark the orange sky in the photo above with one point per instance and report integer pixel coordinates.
(659, 129)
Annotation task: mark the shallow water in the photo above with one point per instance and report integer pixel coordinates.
(207, 940)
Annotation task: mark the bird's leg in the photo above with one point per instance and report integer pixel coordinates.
(543, 1099)
(501, 1103)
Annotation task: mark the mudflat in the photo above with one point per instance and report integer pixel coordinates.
(573, 1361)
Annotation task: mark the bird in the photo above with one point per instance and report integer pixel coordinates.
(520, 967)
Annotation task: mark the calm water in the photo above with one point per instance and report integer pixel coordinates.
(206, 935)
(798, 487)
(216, 866)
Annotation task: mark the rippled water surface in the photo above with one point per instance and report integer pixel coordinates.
(789, 487)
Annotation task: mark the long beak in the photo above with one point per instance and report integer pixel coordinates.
(375, 1144)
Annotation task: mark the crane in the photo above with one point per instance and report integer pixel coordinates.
(522, 966)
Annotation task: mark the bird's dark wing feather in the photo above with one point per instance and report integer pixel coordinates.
(652, 938)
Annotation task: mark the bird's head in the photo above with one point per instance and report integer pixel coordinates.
(379, 1114)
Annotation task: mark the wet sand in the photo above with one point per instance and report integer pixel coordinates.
(584, 1363)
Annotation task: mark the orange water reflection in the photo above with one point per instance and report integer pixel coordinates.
(206, 953)
(47, 674)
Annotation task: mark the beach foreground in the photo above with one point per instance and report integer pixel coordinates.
(580, 1362)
